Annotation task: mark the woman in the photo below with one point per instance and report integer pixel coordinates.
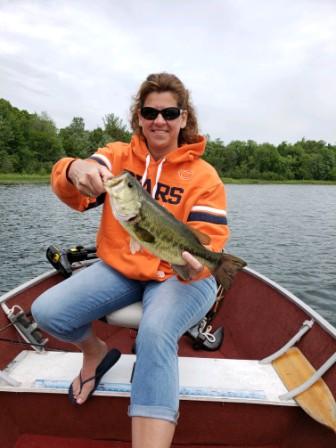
(164, 154)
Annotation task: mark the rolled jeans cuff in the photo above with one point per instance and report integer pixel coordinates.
(159, 412)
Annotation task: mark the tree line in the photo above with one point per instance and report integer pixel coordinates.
(303, 160)
(31, 143)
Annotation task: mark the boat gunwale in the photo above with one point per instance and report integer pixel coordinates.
(327, 326)
(38, 279)
(26, 285)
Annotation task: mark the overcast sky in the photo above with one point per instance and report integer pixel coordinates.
(257, 69)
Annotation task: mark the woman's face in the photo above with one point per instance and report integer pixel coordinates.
(161, 135)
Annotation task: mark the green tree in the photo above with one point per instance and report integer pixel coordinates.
(6, 162)
(214, 154)
(44, 147)
(75, 139)
(321, 164)
(97, 139)
(115, 129)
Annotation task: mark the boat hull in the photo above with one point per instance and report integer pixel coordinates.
(258, 317)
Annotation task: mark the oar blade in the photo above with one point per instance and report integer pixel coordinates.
(294, 369)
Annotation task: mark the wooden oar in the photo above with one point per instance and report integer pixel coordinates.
(294, 369)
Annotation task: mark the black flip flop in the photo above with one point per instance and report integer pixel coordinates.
(108, 361)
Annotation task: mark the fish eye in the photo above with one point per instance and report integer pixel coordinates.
(129, 184)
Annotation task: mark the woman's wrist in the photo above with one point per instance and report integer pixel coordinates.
(67, 172)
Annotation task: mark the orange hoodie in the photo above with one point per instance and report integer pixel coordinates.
(182, 182)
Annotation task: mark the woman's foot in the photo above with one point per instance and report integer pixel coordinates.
(93, 354)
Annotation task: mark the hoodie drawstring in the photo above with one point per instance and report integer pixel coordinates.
(158, 174)
(144, 176)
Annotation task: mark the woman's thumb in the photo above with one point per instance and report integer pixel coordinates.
(105, 173)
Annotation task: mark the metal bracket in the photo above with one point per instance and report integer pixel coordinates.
(306, 326)
(307, 384)
(25, 326)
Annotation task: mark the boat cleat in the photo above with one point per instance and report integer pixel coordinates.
(203, 338)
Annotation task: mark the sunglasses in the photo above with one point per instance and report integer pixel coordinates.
(169, 113)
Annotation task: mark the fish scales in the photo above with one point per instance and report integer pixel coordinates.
(167, 240)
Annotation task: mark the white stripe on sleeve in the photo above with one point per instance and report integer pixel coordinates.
(206, 209)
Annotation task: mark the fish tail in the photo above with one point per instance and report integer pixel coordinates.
(226, 269)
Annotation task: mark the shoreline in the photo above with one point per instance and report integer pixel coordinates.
(15, 178)
(229, 180)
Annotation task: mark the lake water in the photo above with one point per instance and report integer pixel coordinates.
(286, 232)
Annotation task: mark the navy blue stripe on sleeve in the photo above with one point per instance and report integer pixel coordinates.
(207, 217)
(99, 160)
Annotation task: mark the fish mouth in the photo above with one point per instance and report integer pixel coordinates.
(113, 181)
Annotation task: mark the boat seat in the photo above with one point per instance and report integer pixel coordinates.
(210, 379)
(201, 333)
(128, 317)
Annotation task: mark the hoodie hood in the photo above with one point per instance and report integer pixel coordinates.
(184, 153)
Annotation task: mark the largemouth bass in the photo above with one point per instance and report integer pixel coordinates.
(157, 230)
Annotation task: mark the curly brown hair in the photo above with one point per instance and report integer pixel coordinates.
(166, 82)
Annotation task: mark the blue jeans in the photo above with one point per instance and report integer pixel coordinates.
(170, 308)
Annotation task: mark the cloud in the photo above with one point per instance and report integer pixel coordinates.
(256, 69)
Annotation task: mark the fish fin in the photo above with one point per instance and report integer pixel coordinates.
(182, 271)
(134, 246)
(227, 268)
(203, 238)
(143, 234)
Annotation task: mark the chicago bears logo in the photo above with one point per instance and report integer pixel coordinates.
(164, 192)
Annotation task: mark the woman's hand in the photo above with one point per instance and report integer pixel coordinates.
(88, 177)
(194, 266)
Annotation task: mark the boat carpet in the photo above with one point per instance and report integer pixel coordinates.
(41, 441)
